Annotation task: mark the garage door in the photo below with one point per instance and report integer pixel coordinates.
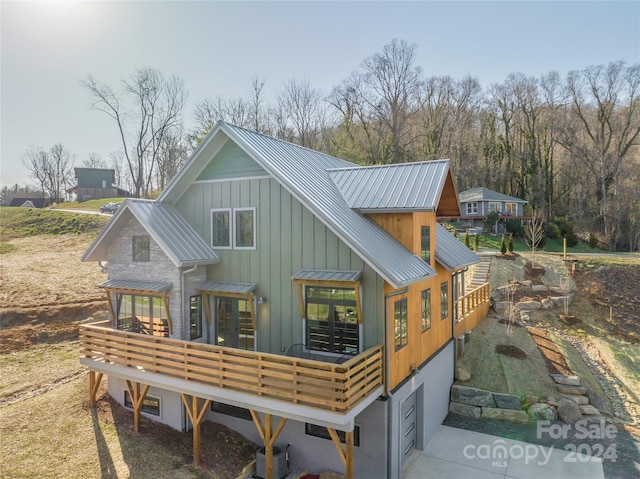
(408, 428)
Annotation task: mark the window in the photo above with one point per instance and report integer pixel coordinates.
(142, 314)
(444, 300)
(150, 404)
(494, 206)
(141, 248)
(104, 184)
(332, 320)
(235, 324)
(472, 208)
(245, 236)
(230, 410)
(322, 432)
(511, 209)
(195, 317)
(426, 310)
(400, 322)
(220, 228)
(425, 243)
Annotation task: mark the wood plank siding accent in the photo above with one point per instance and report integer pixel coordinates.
(448, 205)
(327, 386)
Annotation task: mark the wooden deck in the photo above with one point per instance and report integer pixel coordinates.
(322, 385)
(472, 308)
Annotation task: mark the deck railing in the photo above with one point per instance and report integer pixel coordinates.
(472, 308)
(327, 386)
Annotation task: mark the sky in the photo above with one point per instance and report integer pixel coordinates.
(47, 48)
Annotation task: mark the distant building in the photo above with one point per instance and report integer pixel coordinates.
(477, 203)
(95, 183)
(30, 202)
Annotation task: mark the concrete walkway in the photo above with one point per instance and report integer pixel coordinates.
(456, 453)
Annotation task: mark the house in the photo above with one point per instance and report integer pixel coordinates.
(478, 202)
(30, 202)
(292, 296)
(94, 183)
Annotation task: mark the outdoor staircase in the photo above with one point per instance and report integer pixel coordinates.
(480, 273)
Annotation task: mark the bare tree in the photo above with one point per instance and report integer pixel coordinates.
(94, 161)
(51, 169)
(303, 112)
(158, 102)
(173, 154)
(534, 232)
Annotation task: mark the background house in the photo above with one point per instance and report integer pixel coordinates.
(478, 202)
(30, 202)
(95, 183)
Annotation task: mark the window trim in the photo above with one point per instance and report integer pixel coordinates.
(511, 208)
(395, 324)
(495, 206)
(424, 310)
(129, 404)
(136, 238)
(200, 306)
(472, 207)
(422, 243)
(444, 300)
(253, 228)
(229, 212)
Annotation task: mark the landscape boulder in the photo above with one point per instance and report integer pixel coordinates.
(472, 396)
(465, 409)
(462, 374)
(566, 380)
(568, 411)
(530, 305)
(508, 414)
(539, 288)
(507, 401)
(543, 411)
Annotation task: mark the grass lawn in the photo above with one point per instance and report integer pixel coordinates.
(492, 242)
(18, 222)
(90, 205)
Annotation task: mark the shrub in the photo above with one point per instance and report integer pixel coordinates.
(552, 230)
(491, 220)
(476, 242)
(593, 241)
(503, 246)
(514, 226)
(510, 246)
(466, 239)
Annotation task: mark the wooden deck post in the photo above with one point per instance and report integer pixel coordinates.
(346, 454)
(196, 414)
(136, 400)
(94, 384)
(268, 436)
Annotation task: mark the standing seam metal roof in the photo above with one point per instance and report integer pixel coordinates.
(450, 252)
(407, 186)
(166, 226)
(305, 174)
(480, 193)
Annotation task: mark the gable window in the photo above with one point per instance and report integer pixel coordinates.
(245, 228)
(400, 324)
(141, 248)
(426, 310)
(331, 319)
(221, 228)
(511, 209)
(425, 243)
(444, 300)
(195, 317)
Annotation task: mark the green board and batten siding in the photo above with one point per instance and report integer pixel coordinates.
(289, 238)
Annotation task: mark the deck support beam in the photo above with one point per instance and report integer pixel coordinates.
(94, 384)
(196, 413)
(346, 454)
(137, 398)
(268, 436)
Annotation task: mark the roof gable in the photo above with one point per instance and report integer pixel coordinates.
(177, 239)
(305, 174)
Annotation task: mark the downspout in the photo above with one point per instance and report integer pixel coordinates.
(185, 422)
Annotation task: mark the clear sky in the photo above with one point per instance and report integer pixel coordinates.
(217, 47)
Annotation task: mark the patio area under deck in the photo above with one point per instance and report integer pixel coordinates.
(325, 394)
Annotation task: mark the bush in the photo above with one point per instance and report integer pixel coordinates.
(593, 241)
(503, 246)
(466, 239)
(491, 220)
(476, 242)
(566, 230)
(510, 247)
(514, 226)
(552, 230)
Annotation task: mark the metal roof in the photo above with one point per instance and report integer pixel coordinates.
(480, 193)
(138, 285)
(177, 239)
(406, 186)
(327, 275)
(450, 252)
(304, 173)
(224, 287)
